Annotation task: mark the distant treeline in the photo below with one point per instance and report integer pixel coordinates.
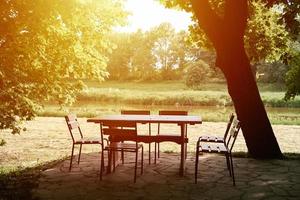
(164, 54)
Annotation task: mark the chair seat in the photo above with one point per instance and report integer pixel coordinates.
(123, 146)
(207, 138)
(213, 148)
(88, 141)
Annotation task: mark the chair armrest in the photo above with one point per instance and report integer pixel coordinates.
(107, 141)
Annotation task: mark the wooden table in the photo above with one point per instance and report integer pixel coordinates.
(182, 121)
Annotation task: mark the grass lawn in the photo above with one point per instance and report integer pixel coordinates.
(212, 102)
(175, 92)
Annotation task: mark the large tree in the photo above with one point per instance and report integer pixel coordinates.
(46, 47)
(226, 31)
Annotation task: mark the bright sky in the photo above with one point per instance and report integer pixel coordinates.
(150, 13)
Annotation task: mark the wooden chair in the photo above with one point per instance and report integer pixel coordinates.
(74, 130)
(217, 139)
(166, 112)
(118, 132)
(138, 112)
(221, 148)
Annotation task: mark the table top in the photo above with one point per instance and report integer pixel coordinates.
(180, 119)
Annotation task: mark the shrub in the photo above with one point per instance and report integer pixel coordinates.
(197, 72)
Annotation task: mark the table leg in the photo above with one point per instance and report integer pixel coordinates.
(183, 149)
(113, 161)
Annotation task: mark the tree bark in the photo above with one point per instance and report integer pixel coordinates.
(227, 35)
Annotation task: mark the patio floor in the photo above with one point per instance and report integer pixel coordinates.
(255, 179)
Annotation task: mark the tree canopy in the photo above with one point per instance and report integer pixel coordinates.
(272, 34)
(46, 46)
(266, 39)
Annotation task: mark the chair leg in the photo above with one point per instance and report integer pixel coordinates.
(149, 144)
(108, 154)
(142, 163)
(185, 155)
(79, 153)
(114, 160)
(196, 164)
(158, 153)
(149, 153)
(135, 167)
(101, 165)
(122, 156)
(71, 157)
(232, 172)
(155, 149)
(228, 164)
(109, 160)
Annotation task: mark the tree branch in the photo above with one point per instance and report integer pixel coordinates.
(208, 20)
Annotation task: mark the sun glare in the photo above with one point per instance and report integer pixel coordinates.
(149, 13)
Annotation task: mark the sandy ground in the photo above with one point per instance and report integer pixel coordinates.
(47, 138)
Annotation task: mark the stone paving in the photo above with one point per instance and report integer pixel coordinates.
(255, 179)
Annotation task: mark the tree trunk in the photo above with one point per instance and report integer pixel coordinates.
(227, 35)
(242, 87)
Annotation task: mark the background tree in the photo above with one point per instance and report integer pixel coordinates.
(157, 54)
(163, 50)
(142, 61)
(46, 46)
(131, 58)
(120, 57)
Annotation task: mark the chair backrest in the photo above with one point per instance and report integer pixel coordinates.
(135, 112)
(73, 125)
(172, 112)
(236, 126)
(119, 130)
(231, 117)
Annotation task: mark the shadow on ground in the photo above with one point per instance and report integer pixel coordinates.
(20, 183)
(255, 179)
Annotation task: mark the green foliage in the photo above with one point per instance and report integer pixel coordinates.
(265, 38)
(46, 47)
(293, 77)
(196, 74)
(290, 16)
